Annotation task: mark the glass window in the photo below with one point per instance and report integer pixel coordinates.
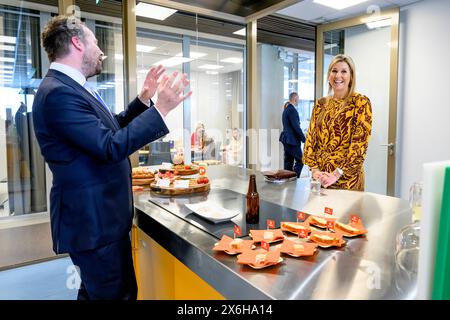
(22, 65)
(214, 65)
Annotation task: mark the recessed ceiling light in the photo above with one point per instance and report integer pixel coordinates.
(339, 4)
(152, 11)
(173, 61)
(379, 23)
(193, 54)
(232, 60)
(210, 66)
(8, 39)
(212, 73)
(3, 59)
(7, 48)
(240, 32)
(143, 48)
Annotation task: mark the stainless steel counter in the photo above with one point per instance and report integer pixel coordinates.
(364, 268)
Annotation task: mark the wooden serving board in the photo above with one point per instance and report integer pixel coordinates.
(142, 182)
(171, 191)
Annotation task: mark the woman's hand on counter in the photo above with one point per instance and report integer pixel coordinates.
(327, 179)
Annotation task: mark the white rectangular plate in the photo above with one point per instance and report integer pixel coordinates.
(211, 211)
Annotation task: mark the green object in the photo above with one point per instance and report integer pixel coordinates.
(441, 285)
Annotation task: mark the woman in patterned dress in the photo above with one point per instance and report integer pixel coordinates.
(339, 130)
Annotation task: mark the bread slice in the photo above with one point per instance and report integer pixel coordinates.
(319, 221)
(236, 244)
(299, 248)
(346, 227)
(293, 226)
(260, 258)
(324, 238)
(268, 235)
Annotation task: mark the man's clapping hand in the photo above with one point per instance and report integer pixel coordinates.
(170, 92)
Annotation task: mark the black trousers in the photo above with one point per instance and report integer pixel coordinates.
(293, 159)
(106, 272)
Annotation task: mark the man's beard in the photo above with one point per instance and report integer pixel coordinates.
(91, 67)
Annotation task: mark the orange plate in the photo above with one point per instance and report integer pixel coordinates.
(288, 248)
(258, 235)
(338, 242)
(249, 258)
(224, 245)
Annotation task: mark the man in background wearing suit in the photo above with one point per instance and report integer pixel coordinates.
(87, 148)
(292, 136)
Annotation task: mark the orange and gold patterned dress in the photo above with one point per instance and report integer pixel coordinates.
(338, 137)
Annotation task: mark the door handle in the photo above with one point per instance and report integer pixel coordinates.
(390, 147)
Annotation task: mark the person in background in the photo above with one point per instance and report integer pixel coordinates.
(292, 136)
(339, 131)
(232, 153)
(202, 144)
(86, 147)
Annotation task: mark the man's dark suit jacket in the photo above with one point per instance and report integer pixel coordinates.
(87, 151)
(292, 136)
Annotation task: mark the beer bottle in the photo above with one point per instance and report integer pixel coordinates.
(252, 215)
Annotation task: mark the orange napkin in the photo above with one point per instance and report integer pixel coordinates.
(358, 225)
(249, 257)
(288, 247)
(337, 238)
(258, 235)
(224, 245)
(289, 229)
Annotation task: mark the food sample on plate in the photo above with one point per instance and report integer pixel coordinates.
(142, 176)
(181, 169)
(298, 249)
(259, 259)
(317, 221)
(352, 229)
(269, 236)
(327, 239)
(295, 227)
(232, 246)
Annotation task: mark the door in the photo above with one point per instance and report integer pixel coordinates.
(372, 42)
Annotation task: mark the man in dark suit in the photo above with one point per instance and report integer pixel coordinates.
(292, 136)
(87, 149)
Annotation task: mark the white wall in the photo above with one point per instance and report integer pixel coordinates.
(271, 84)
(424, 107)
(369, 49)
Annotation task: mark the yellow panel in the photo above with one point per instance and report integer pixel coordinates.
(189, 285)
(161, 276)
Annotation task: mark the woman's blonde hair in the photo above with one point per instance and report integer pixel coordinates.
(351, 65)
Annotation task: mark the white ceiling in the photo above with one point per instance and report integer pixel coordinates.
(312, 12)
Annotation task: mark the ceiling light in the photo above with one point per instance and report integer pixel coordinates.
(3, 59)
(6, 48)
(152, 11)
(174, 61)
(8, 39)
(193, 54)
(212, 72)
(379, 23)
(240, 32)
(143, 48)
(210, 66)
(293, 80)
(330, 46)
(232, 60)
(339, 4)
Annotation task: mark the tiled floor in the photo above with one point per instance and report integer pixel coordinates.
(50, 280)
